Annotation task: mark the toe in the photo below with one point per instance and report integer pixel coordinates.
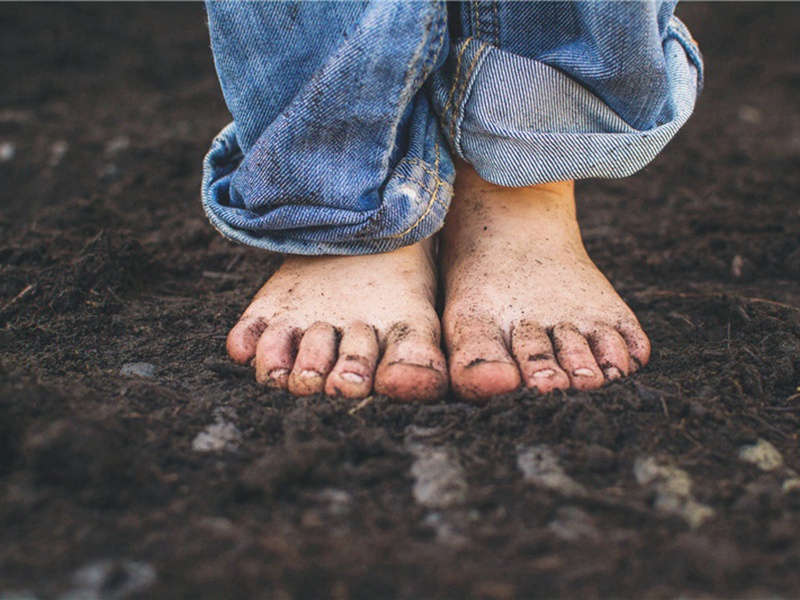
(354, 371)
(533, 351)
(610, 352)
(480, 364)
(316, 356)
(575, 357)
(637, 342)
(413, 368)
(243, 339)
(275, 356)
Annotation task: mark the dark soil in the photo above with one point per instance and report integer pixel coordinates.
(106, 260)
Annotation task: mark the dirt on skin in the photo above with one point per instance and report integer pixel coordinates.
(136, 461)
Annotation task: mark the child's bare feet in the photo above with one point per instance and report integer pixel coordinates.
(524, 304)
(347, 325)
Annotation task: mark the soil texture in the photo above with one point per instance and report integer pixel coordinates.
(137, 462)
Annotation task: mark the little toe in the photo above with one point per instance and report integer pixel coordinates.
(610, 352)
(275, 355)
(637, 342)
(575, 356)
(354, 371)
(533, 351)
(243, 339)
(413, 368)
(316, 356)
(480, 364)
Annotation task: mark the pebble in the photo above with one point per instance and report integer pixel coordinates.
(110, 579)
(8, 150)
(139, 369)
(218, 436)
(762, 454)
(673, 488)
(540, 466)
(791, 485)
(439, 479)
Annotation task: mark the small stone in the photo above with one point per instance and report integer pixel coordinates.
(791, 486)
(216, 437)
(8, 150)
(439, 480)
(762, 454)
(673, 489)
(539, 465)
(139, 369)
(111, 579)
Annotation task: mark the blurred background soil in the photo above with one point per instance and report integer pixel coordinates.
(136, 461)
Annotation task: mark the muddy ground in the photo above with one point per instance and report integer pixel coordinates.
(136, 462)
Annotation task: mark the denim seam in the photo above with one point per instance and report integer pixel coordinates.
(434, 194)
(678, 31)
(459, 57)
(458, 107)
(424, 165)
(405, 95)
(427, 66)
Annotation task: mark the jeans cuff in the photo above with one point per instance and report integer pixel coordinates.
(522, 122)
(415, 199)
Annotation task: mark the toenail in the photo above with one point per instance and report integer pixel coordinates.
(544, 373)
(309, 374)
(276, 376)
(583, 372)
(613, 373)
(352, 377)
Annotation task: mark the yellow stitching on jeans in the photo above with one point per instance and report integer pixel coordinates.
(455, 75)
(463, 91)
(477, 12)
(434, 194)
(422, 165)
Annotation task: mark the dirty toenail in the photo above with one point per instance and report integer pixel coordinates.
(613, 373)
(544, 373)
(276, 377)
(352, 377)
(309, 374)
(583, 372)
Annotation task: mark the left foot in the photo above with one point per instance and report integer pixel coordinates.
(524, 303)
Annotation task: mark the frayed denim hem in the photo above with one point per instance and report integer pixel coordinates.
(415, 200)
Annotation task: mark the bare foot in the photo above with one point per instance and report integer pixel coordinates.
(524, 303)
(347, 325)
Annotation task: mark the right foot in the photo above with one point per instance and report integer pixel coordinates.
(347, 326)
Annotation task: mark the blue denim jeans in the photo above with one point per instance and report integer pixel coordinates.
(347, 115)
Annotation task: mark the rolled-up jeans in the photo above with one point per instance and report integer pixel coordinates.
(347, 116)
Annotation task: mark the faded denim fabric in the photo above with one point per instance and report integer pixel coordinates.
(346, 114)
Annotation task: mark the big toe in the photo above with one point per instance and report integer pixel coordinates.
(413, 368)
(480, 364)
